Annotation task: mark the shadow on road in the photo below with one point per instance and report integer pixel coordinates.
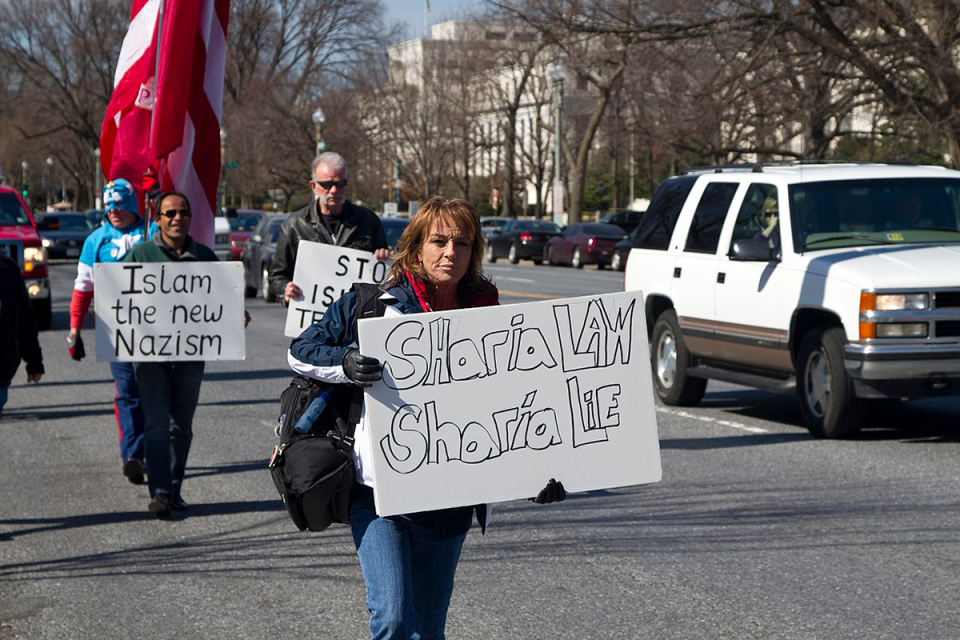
(727, 442)
(233, 467)
(41, 525)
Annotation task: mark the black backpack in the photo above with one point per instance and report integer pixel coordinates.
(313, 472)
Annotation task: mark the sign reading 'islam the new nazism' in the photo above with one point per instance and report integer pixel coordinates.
(324, 273)
(485, 405)
(169, 311)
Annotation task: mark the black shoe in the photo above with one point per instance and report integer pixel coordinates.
(133, 470)
(179, 504)
(160, 505)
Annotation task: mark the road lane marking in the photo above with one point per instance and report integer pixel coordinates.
(525, 280)
(524, 294)
(726, 423)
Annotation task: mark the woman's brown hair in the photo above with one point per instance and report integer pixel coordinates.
(458, 213)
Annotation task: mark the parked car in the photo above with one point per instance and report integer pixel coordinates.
(393, 229)
(837, 282)
(242, 222)
(584, 243)
(221, 238)
(620, 252)
(20, 240)
(521, 240)
(257, 256)
(489, 224)
(626, 219)
(62, 234)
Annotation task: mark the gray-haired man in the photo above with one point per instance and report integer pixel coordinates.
(329, 219)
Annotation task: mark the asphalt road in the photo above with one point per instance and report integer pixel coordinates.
(756, 531)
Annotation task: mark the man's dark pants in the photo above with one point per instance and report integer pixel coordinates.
(168, 390)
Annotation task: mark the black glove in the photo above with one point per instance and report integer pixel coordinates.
(553, 492)
(363, 371)
(75, 344)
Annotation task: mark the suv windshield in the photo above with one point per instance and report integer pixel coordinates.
(851, 213)
(11, 211)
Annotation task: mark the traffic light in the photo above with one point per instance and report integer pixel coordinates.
(25, 193)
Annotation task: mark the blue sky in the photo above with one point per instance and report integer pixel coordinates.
(411, 12)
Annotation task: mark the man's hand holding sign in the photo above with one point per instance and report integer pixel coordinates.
(324, 273)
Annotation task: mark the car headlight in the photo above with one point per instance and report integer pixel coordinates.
(902, 330)
(46, 242)
(901, 301)
(32, 256)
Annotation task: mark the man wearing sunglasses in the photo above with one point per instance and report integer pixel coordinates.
(169, 389)
(329, 219)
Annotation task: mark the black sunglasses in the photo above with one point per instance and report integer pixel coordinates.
(170, 214)
(329, 184)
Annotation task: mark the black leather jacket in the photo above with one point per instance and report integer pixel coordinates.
(361, 230)
(18, 329)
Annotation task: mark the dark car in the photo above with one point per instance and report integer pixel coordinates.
(626, 219)
(521, 240)
(242, 222)
(489, 225)
(257, 256)
(63, 233)
(393, 229)
(584, 243)
(620, 253)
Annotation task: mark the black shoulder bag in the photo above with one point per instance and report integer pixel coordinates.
(313, 471)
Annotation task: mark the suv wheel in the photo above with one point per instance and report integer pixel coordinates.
(268, 295)
(576, 262)
(550, 256)
(490, 256)
(670, 363)
(512, 256)
(826, 392)
(42, 313)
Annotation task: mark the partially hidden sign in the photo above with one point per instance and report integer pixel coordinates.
(485, 405)
(324, 273)
(169, 311)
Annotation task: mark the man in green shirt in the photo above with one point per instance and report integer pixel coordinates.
(169, 389)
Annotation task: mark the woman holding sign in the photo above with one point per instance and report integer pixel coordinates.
(408, 561)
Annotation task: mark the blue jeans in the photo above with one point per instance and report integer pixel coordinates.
(4, 394)
(168, 390)
(128, 411)
(408, 564)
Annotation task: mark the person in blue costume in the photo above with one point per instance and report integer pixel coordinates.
(121, 231)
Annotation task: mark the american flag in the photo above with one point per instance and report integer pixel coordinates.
(167, 102)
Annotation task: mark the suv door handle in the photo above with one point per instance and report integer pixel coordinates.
(721, 277)
(676, 272)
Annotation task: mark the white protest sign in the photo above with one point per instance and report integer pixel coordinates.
(485, 405)
(169, 311)
(389, 208)
(325, 272)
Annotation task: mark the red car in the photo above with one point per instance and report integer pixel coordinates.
(584, 243)
(242, 222)
(20, 241)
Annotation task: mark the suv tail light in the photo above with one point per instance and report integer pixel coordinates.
(592, 242)
(526, 236)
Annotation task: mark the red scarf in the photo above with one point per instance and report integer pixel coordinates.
(481, 300)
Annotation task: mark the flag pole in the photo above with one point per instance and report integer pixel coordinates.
(426, 19)
(147, 204)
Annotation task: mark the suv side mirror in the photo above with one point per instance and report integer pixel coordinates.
(753, 251)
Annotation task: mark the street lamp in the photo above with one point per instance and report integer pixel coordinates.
(318, 119)
(47, 170)
(223, 164)
(97, 187)
(556, 71)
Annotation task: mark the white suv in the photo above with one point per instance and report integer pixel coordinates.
(840, 281)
